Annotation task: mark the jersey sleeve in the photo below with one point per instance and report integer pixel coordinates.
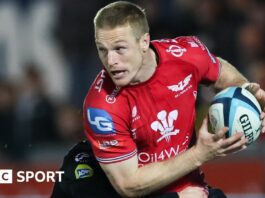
(196, 53)
(107, 127)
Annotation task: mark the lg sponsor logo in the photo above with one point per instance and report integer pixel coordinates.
(7, 177)
(100, 121)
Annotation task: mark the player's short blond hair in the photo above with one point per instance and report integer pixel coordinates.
(122, 13)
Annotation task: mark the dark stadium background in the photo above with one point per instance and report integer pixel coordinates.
(48, 60)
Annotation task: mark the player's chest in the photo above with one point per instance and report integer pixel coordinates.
(163, 111)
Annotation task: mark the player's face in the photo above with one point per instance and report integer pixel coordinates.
(121, 54)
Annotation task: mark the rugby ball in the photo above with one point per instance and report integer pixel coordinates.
(237, 109)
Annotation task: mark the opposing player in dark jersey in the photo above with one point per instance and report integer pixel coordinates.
(83, 177)
(139, 113)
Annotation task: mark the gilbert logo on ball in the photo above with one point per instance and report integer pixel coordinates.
(237, 109)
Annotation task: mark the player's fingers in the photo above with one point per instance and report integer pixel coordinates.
(260, 95)
(263, 129)
(262, 117)
(237, 137)
(236, 146)
(204, 126)
(220, 134)
(231, 145)
(253, 87)
(235, 150)
(203, 132)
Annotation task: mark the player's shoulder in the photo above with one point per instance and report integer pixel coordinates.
(103, 92)
(184, 41)
(187, 49)
(102, 85)
(105, 98)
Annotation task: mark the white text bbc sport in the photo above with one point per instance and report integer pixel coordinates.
(7, 176)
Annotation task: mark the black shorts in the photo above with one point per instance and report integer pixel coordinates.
(84, 178)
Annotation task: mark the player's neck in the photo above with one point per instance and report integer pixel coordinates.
(148, 67)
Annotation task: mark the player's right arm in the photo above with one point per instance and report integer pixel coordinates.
(131, 181)
(108, 130)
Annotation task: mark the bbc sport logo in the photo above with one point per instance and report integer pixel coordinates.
(7, 177)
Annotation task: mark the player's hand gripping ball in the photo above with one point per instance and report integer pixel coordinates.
(237, 109)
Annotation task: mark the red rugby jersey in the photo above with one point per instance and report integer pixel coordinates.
(155, 119)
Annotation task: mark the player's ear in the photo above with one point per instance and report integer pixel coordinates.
(145, 41)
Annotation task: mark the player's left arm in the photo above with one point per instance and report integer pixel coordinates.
(230, 76)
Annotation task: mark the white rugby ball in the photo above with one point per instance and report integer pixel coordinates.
(237, 109)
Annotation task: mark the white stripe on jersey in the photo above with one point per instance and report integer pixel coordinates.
(116, 159)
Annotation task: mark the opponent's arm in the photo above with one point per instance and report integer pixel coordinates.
(230, 76)
(131, 181)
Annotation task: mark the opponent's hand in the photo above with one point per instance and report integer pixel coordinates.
(210, 146)
(193, 191)
(259, 93)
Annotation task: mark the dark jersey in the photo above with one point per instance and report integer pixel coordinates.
(83, 177)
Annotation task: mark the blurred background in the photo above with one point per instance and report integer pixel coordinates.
(48, 60)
